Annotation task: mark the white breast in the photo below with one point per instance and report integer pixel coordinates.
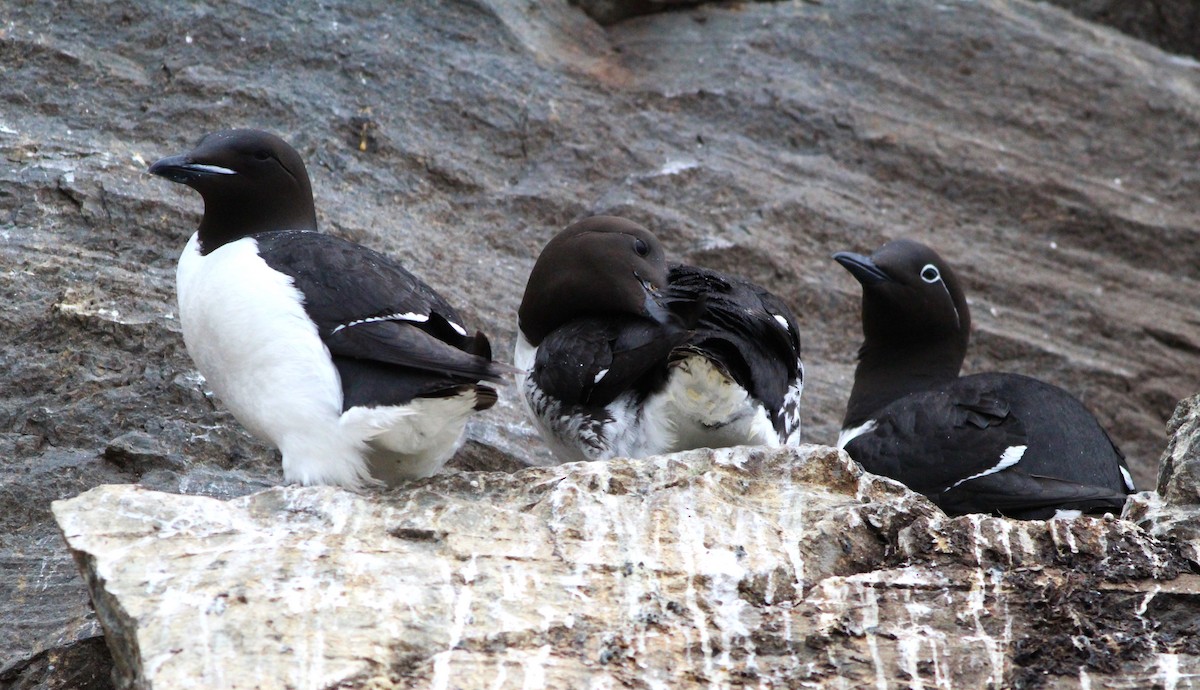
(246, 330)
(524, 354)
(699, 407)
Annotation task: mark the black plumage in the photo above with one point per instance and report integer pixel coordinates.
(589, 361)
(988, 443)
(749, 332)
(625, 356)
(390, 335)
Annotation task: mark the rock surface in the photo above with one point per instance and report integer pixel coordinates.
(1173, 511)
(730, 568)
(1054, 161)
(1173, 25)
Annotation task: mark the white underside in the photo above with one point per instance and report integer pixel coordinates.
(791, 406)
(249, 336)
(418, 443)
(704, 408)
(698, 408)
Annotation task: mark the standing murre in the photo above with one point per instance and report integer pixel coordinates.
(356, 370)
(987, 443)
(619, 355)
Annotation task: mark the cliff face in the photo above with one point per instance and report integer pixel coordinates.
(1052, 160)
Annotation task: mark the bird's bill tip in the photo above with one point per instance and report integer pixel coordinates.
(861, 267)
(655, 308)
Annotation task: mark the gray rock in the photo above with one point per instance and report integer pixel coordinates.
(1173, 512)
(1179, 468)
(1051, 160)
(719, 568)
(138, 452)
(612, 11)
(1173, 25)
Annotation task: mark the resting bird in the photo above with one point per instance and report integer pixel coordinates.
(356, 370)
(619, 355)
(1003, 444)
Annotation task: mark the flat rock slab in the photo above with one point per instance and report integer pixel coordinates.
(721, 568)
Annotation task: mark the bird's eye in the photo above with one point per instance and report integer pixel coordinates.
(930, 274)
(262, 154)
(640, 246)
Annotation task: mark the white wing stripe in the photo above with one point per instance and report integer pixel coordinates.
(408, 316)
(1010, 456)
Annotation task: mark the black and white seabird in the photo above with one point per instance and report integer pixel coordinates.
(619, 355)
(988, 443)
(356, 370)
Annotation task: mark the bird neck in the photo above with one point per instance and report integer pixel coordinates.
(885, 374)
(227, 222)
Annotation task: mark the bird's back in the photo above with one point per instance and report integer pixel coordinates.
(1065, 441)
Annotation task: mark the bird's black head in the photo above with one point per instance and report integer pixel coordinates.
(599, 265)
(251, 181)
(916, 325)
(910, 296)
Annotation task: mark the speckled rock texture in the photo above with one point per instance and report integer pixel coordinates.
(1053, 160)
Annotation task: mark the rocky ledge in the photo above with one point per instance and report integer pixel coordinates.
(729, 568)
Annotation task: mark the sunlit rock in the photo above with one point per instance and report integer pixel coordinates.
(720, 568)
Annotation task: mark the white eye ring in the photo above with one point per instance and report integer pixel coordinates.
(930, 273)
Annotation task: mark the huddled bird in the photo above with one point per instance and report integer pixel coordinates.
(621, 354)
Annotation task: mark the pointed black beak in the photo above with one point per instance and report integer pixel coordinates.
(184, 170)
(862, 268)
(653, 304)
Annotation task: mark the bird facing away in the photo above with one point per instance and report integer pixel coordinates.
(988, 443)
(619, 355)
(355, 369)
